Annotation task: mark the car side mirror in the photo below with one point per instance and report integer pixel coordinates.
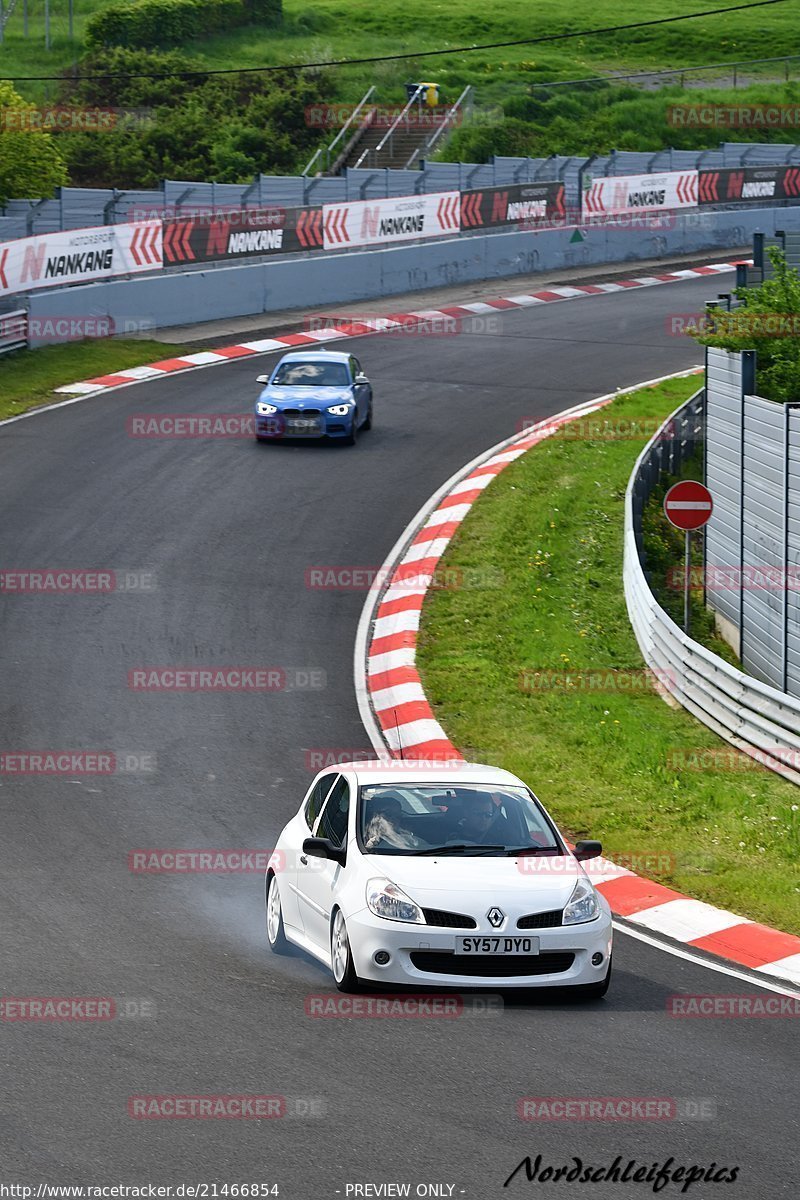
(361, 379)
(262, 378)
(584, 850)
(323, 848)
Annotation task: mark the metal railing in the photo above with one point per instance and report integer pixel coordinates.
(757, 719)
(13, 330)
(326, 151)
(388, 137)
(672, 72)
(462, 104)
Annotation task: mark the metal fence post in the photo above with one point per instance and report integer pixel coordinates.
(785, 646)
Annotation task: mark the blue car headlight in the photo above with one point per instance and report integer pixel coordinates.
(265, 409)
(339, 410)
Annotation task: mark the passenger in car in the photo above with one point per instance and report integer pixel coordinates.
(387, 825)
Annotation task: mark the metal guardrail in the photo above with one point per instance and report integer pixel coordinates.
(757, 719)
(13, 330)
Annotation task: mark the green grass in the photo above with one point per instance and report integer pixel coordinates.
(551, 526)
(28, 377)
(328, 29)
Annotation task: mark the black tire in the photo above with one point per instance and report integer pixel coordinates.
(368, 419)
(352, 437)
(276, 935)
(342, 967)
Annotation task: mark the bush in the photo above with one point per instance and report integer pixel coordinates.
(165, 23)
(30, 162)
(768, 321)
(224, 127)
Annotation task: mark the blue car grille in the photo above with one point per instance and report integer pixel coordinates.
(301, 412)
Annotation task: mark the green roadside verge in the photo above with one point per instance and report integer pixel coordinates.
(28, 377)
(538, 671)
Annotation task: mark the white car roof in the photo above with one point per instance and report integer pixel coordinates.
(423, 771)
(316, 356)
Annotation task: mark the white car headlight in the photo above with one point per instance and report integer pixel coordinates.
(265, 409)
(339, 410)
(386, 899)
(582, 904)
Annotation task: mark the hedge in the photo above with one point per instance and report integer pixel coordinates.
(162, 23)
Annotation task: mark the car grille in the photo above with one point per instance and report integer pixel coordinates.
(544, 920)
(301, 412)
(435, 916)
(492, 966)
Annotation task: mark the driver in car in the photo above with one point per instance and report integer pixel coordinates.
(478, 814)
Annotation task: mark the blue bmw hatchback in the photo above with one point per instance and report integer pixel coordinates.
(314, 394)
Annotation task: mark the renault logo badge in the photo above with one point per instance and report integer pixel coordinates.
(495, 917)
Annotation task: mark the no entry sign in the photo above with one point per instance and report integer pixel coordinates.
(688, 505)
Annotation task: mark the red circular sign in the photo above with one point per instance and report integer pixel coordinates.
(688, 505)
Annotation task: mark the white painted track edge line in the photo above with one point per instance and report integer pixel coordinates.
(680, 951)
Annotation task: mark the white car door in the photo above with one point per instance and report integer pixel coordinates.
(300, 827)
(317, 877)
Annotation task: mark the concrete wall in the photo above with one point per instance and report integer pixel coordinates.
(184, 298)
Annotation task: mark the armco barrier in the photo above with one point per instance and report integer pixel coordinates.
(755, 718)
(220, 291)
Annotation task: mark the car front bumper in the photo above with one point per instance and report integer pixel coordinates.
(276, 428)
(423, 955)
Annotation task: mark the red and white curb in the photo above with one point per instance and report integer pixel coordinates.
(397, 715)
(358, 328)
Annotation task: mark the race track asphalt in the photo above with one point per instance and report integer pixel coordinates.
(228, 530)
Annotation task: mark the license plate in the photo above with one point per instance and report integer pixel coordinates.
(303, 424)
(497, 945)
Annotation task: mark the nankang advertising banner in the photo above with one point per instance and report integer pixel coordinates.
(528, 204)
(79, 256)
(242, 233)
(399, 219)
(615, 194)
(749, 185)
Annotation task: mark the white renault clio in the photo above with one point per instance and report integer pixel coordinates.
(397, 873)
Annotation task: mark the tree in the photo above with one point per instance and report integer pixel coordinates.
(30, 163)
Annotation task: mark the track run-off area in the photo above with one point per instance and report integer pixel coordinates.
(222, 535)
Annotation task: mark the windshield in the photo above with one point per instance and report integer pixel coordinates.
(312, 374)
(469, 819)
